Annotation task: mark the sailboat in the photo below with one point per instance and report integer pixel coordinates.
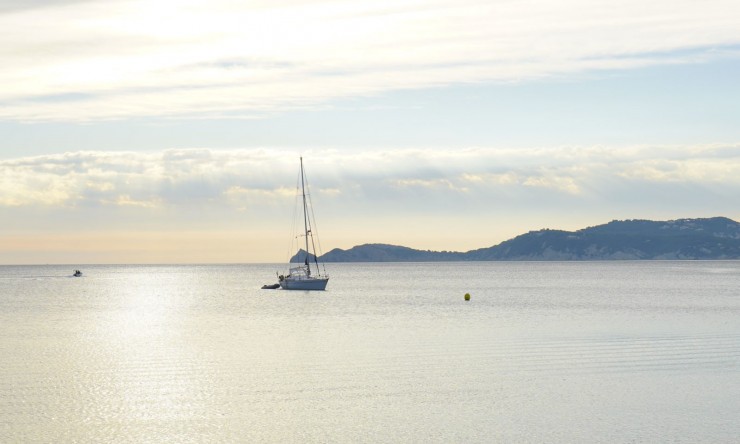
(305, 276)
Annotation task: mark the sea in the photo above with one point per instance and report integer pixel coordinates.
(555, 352)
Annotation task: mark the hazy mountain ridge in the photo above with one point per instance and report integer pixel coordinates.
(709, 238)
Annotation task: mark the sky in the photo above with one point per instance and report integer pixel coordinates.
(162, 131)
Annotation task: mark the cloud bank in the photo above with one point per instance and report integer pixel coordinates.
(115, 59)
(263, 177)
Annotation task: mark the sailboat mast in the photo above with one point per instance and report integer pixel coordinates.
(305, 219)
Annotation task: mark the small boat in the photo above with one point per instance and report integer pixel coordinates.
(304, 276)
(77, 273)
(271, 286)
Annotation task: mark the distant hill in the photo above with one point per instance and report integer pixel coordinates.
(711, 238)
(389, 253)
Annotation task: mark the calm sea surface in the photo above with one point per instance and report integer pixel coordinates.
(543, 352)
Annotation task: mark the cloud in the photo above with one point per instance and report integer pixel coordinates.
(171, 177)
(20, 5)
(433, 184)
(93, 60)
(260, 177)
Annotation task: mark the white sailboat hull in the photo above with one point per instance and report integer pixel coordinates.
(304, 283)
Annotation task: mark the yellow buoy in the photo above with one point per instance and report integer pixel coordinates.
(467, 296)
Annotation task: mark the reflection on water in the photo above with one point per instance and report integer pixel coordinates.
(543, 352)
